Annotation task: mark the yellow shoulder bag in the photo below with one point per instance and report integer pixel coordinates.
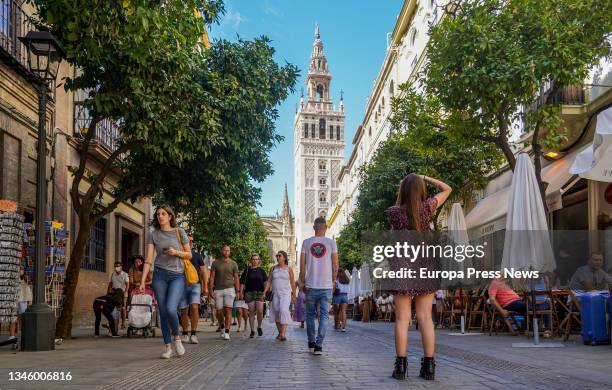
(191, 274)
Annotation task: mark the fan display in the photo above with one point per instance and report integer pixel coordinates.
(11, 240)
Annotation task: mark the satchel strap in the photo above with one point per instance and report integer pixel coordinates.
(178, 238)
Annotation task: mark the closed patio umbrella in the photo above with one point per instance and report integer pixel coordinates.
(354, 285)
(457, 234)
(365, 285)
(527, 243)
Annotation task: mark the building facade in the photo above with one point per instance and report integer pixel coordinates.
(280, 232)
(318, 146)
(119, 234)
(405, 55)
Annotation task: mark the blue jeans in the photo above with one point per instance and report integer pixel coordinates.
(169, 288)
(322, 298)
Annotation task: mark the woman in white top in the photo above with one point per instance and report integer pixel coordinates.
(340, 299)
(282, 283)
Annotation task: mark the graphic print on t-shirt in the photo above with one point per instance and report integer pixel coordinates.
(318, 250)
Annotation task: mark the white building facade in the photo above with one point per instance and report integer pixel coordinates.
(404, 58)
(318, 146)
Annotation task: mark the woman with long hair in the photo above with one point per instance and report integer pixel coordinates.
(282, 284)
(413, 211)
(170, 245)
(252, 285)
(340, 299)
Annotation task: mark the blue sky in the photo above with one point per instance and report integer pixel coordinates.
(354, 34)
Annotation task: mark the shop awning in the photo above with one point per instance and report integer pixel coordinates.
(489, 214)
(595, 162)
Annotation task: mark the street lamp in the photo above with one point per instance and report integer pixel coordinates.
(44, 57)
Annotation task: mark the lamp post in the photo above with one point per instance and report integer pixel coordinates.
(44, 57)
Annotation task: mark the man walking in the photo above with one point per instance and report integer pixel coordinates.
(319, 266)
(224, 281)
(192, 296)
(119, 280)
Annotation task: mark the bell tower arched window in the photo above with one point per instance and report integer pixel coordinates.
(320, 92)
(322, 128)
(305, 130)
(312, 130)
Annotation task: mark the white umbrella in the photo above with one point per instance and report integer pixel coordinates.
(365, 284)
(353, 285)
(595, 162)
(527, 243)
(457, 233)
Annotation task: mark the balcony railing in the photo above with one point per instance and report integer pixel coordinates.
(571, 95)
(107, 131)
(14, 23)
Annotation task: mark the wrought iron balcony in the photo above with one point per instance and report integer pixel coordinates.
(570, 95)
(107, 131)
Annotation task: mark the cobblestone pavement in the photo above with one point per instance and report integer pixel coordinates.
(361, 358)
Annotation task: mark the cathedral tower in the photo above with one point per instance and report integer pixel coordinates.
(318, 146)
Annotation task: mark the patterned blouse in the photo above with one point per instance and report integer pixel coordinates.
(399, 220)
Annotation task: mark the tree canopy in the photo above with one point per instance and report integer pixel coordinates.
(490, 59)
(194, 124)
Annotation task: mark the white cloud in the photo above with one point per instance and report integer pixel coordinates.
(233, 18)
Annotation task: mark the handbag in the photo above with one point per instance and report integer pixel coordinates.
(191, 274)
(269, 294)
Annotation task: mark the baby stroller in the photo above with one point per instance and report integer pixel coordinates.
(141, 312)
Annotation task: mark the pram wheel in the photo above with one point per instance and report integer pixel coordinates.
(129, 331)
(145, 333)
(152, 332)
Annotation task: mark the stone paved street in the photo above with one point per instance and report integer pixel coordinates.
(362, 358)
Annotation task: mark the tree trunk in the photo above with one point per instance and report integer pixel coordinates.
(63, 326)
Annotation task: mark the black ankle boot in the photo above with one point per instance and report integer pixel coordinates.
(399, 370)
(428, 368)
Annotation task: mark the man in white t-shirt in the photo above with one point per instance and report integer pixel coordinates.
(319, 267)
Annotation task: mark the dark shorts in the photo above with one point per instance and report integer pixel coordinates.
(251, 296)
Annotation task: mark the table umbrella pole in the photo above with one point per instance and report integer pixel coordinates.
(536, 330)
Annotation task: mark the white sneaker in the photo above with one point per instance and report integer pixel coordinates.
(178, 347)
(193, 339)
(226, 336)
(223, 333)
(167, 354)
(185, 338)
(344, 329)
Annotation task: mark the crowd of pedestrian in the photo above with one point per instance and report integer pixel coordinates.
(242, 296)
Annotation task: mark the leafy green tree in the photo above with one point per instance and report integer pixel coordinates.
(422, 144)
(488, 59)
(236, 225)
(142, 66)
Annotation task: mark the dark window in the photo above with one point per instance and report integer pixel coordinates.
(312, 130)
(338, 133)
(95, 252)
(322, 128)
(331, 132)
(320, 91)
(305, 130)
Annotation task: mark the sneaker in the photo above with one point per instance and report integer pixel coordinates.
(167, 354)
(193, 339)
(344, 329)
(226, 336)
(252, 334)
(185, 338)
(219, 329)
(178, 346)
(115, 336)
(318, 350)
(259, 332)
(222, 334)
(311, 346)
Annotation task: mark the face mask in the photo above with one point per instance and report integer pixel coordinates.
(118, 269)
